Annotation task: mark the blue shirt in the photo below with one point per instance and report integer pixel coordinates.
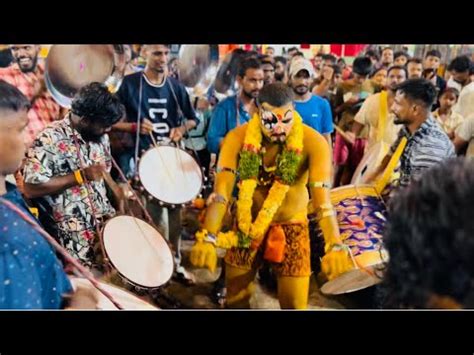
(31, 276)
(223, 120)
(316, 113)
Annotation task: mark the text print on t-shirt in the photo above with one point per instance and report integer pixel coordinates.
(157, 114)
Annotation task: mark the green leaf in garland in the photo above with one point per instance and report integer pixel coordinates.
(244, 240)
(249, 165)
(288, 164)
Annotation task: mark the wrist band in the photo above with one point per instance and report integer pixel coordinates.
(134, 128)
(78, 176)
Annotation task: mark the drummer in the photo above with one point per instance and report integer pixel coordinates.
(31, 276)
(428, 145)
(159, 107)
(64, 172)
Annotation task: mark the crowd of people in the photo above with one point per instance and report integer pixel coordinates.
(288, 130)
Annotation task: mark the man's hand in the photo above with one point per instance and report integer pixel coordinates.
(86, 296)
(146, 127)
(94, 172)
(177, 133)
(204, 255)
(328, 73)
(335, 263)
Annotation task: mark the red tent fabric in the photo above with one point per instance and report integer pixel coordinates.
(347, 50)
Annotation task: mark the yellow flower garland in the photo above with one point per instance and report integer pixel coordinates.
(277, 193)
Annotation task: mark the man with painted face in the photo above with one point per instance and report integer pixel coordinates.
(275, 158)
(26, 74)
(67, 162)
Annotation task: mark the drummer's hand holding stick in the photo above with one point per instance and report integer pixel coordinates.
(146, 127)
(94, 172)
(118, 192)
(178, 133)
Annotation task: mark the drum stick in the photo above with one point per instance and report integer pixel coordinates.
(153, 140)
(122, 176)
(170, 175)
(344, 135)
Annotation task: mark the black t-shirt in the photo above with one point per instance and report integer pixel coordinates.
(157, 103)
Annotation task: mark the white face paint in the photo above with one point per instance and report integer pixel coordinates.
(276, 122)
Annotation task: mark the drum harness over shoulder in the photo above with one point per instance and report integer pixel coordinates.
(138, 123)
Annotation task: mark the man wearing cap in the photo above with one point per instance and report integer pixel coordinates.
(314, 110)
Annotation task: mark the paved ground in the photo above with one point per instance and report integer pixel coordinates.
(199, 295)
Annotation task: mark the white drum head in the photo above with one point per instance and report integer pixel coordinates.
(170, 174)
(138, 251)
(350, 281)
(124, 298)
(369, 163)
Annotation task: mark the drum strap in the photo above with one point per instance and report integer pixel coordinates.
(97, 222)
(137, 133)
(383, 181)
(82, 270)
(383, 115)
(87, 184)
(181, 116)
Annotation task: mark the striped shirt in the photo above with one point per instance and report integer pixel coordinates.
(427, 147)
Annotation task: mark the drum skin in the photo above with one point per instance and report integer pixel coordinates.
(137, 251)
(361, 216)
(127, 300)
(170, 175)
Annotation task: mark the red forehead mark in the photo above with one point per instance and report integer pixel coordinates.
(279, 116)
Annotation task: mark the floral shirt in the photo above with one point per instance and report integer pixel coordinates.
(53, 154)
